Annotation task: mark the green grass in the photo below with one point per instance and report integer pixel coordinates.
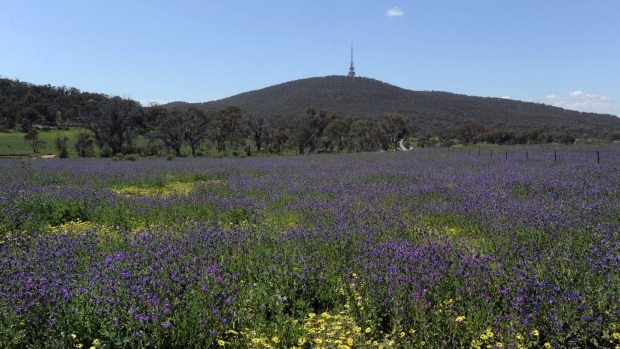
(13, 143)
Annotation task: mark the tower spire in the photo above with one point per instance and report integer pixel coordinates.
(351, 68)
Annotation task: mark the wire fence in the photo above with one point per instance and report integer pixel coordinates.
(605, 154)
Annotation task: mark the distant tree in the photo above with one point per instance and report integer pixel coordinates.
(256, 124)
(279, 132)
(611, 136)
(227, 128)
(8, 113)
(395, 128)
(304, 137)
(29, 118)
(171, 128)
(309, 131)
(61, 146)
(471, 132)
(498, 137)
(336, 131)
(153, 114)
(32, 137)
(563, 137)
(84, 145)
(196, 128)
(317, 125)
(112, 121)
(366, 135)
(544, 137)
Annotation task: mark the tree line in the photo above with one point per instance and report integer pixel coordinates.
(114, 124)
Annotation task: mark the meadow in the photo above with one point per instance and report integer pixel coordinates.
(12, 144)
(423, 249)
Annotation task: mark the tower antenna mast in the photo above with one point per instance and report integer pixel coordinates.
(351, 68)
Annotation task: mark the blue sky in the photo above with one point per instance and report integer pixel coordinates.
(557, 52)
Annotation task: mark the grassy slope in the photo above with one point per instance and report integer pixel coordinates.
(13, 143)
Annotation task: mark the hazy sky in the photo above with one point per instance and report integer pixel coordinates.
(559, 52)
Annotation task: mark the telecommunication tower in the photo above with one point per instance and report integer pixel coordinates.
(351, 68)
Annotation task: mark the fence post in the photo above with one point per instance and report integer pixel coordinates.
(598, 157)
(506, 155)
(555, 156)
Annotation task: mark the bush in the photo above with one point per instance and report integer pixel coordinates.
(131, 157)
(61, 146)
(85, 146)
(106, 151)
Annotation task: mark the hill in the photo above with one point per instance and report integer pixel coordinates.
(433, 112)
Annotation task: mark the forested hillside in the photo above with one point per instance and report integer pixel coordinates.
(23, 104)
(434, 113)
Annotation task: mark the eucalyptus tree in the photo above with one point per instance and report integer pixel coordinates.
(227, 128)
(171, 128)
(197, 126)
(112, 121)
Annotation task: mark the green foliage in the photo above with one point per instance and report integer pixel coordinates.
(84, 145)
(51, 211)
(12, 143)
(32, 138)
(61, 146)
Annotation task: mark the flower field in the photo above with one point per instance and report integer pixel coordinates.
(423, 249)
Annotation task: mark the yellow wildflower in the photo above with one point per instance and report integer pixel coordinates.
(96, 341)
(275, 339)
(535, 333)
(301, 341)
(73, 336)
(547, 345)
(368, 330)
(221, 343)
(615, 336)
(460, 318)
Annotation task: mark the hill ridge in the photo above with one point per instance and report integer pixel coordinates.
(433, 111)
